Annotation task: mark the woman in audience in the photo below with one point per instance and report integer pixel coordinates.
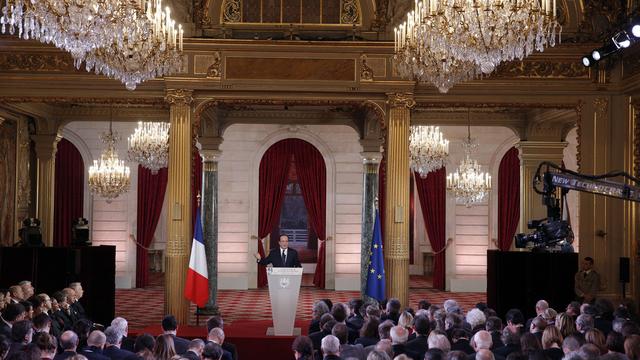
(406, 321)
(550, 316)
(552, 343)
(319, 308)
(82, 328)
(144, 346)
(164, 349)
(47, 345)
(615, 342)
(302, 348)
(529, 344)
(632, 347)
(566, 324)
(369, 332)
(596, 337)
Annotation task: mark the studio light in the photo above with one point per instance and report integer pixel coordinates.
(586, 61)
(596, 55)
(635, 30)
(621, 40)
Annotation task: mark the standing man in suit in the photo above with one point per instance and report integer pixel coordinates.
(587, 281)
(282, 256)
(170, 327)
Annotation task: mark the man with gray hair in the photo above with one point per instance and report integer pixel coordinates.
(399, 336)
(451, 305)
(482, 340)
(439, 341)
(68, 344)
(378, 355)
(541, 306)
(341, 332)
(330, 347)
(584, 323)
(319, 308)
(194, 351)
(113, 337)
(95, 344)
(484, 354)
(571, 344)
(216, 335)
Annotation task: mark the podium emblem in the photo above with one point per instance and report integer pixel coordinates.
(284, 282)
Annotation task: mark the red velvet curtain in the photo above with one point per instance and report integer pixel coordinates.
(151, 190)
(432, 195)
(508, 198)
(196, 184)
(274, 167)
(69, 194)
(312, 179)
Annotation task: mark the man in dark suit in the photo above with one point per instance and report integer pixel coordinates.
(216, 335)
(21, 336)
(113, 342)
(283, 256)
(69, 344)
(422, 327)
(170, 327)
(330, 348)
(195, 349)
(11, 314)
(217, 322)
(76, 306)
(95, 344)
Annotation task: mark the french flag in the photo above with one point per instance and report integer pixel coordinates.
(197, 287)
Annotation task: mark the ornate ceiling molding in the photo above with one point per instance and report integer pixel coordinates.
(559, 69)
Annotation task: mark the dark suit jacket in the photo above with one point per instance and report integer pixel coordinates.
(79, 310)
(316, 339)
(115, 353)
(64, 355)
(402, 349)
(189, 355)
(5, 329)
(462, 345)
(472, 356)
(93, 353)
(275, 258)
(180, 344)
(418, 345)
(231, 349)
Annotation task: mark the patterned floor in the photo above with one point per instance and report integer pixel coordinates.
(254, 304)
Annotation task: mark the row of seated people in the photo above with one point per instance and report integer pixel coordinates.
(63, 307)
(434, 332)
(31, 341)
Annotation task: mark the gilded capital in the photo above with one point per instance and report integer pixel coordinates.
(179, 96)
(401, 100)
(210, 155)
(602, 107)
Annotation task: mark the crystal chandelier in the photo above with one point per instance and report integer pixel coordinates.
(428, 149)
(109, 177)
(130, 40)
(462, 38)
(468, 183)
(149, 145)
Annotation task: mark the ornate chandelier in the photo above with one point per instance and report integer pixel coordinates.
(462, 38)
(109, 177)
(149, 145)
(130, 40)
(428, 149)
(469, 183)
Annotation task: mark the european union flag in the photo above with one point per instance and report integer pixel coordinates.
(375, 273)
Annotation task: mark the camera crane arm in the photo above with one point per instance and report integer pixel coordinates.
(555, 176)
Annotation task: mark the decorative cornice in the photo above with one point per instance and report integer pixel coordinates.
(424, 104)
(36, 62)
(179, 96)
(541, 69)
(82, 100)
(401, 100)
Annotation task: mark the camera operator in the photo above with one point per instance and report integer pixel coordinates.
(587, 281)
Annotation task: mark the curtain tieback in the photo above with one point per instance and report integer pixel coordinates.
(133, 238)
(449, 240)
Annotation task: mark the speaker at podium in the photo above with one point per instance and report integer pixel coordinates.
(284, 290)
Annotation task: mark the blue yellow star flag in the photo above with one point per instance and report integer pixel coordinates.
(375, 273)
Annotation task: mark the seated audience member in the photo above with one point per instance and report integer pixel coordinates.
(326, 324)
(452, 321)
(16, 294)
(21, 335)
(61, 318)
(615, 342)
(319, 308)
(27, 289)
(164, 349)
(194, 350)
(369, 332)
(11, 314)
(434, 354)
(372, 311)
(552, 343)
(385, 346)
(341, 332)
(45, 303)
(632, 347)
(476, 320)
(538, 324)
(573, 309)
(596, 337)
(68, 344)
(584, 323)
(122, 326)
(439, 341)
(216, 335)
(424, 304)
(170, 327)
(212, 351)
(5, 344)
(484, 354)
(95, 345)
(549, 316)
(482, 341)
(422, 327)
(302, 348)
(378, 355)
(529, 344)
(82, 327)
(340, 313)
(541, 306)
(217, 322)
(589, 352)
(76, 306)
(571, 344)
(330, 348)
(144, 346)
(460, 341)
(456, 355)
(566, 324)
(392, 311)
(515, 320)
(28, 309)
(494, 327)
(511, 340)
(630, 328)
(41, 325)
(112, 348)
(399, 336)
(47, 345)
(604, 315)
(355, 320)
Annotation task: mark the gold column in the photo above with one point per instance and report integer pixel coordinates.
(532, 153)
(46, 147)
(179, 200)
(396, 249)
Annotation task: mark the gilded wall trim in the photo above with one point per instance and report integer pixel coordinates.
(541, 69)
(155, 101)
(36, 62)
(636, 138)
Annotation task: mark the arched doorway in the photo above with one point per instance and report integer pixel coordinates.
(292, 201)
